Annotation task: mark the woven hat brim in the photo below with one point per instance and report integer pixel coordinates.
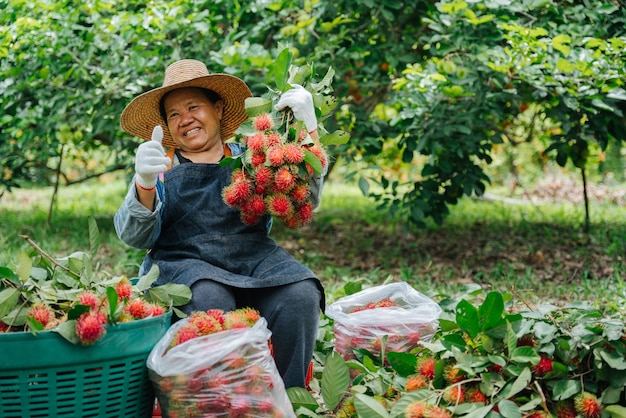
(142, 114)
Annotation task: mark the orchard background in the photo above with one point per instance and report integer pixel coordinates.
(485, 155)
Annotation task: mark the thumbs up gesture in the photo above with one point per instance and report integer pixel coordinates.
(150, 160)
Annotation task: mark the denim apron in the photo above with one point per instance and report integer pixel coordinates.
(203, 238)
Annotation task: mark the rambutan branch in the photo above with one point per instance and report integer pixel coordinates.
(48, 256)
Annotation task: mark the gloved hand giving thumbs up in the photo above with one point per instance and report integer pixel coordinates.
(150, 160)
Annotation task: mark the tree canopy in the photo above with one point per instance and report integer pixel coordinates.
(433, 85)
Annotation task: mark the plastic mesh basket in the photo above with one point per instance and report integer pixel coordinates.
(46, 376)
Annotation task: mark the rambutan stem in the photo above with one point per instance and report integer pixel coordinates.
(48, 256)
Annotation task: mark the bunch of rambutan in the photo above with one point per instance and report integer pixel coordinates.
(218, 364)
(274, 175)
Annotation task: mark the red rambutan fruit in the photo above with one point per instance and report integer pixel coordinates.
(217, 314)
(319, 152)
(88, 298)
(305, 212)
(426, 367)
(271, 139)
(475, 395)
(276, 155)
(255, 205)
(256, 142)
(138, 308)
(565, 409)
(263, 176)
(588, 405)
(90, 327)
(279, 205)
(293, 153)
(417, 409)
(544, 366)
(124, 288)
(236, 193)
(184, 334)
(41, 313)
(453, 375)
(257, 159)
(154, 309)
(263, 122)
(284, 180)
(454, 394)
(249, 218)
(437, 412)
(300, 191)
(415, 382)
(204, 323)
(238, 175)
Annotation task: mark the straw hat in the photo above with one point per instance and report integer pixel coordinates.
(142, 114)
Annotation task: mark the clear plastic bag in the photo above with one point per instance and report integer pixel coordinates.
(225, 374)
(407, 318)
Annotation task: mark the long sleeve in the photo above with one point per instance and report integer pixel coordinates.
(134, 223)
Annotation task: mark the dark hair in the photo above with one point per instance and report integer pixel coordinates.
(210, 94)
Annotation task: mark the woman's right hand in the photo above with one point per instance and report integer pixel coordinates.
(150, 160)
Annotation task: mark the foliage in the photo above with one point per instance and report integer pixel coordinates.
(491, 357)
(43, 293)
(442, 79)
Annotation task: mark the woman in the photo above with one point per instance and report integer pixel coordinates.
(192, 235)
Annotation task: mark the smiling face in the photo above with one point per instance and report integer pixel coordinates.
(193, 120)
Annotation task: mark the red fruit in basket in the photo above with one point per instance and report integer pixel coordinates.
(587, 405)
(124, 288)
(41, 313)
(262, 122)
(3, 327)
(415, 382)
(426, 367)
(154, 309)
(90, 327)
(544, 366)
(217, 314)
(138, 308)
(88, 298)
(204, 323)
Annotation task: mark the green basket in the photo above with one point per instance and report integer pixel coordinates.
(44, 375)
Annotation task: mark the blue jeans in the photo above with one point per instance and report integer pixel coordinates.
(292, 312)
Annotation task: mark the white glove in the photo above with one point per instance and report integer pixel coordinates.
(300, 101)
(150, 160)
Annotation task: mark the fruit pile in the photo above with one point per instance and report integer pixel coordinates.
(218, 364)
(274, 175)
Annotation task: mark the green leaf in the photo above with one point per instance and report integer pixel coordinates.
(94, 237)
(77, 311)
(112, 297)
(564, 389)
(338, 137)
(509, 409)
(335, 380)
(525, 355)
(24, 266)
(34, 325)
(616, 411)
(364, 185)
(511, 338)
(9, 299)
(614, 359)
(313, 161)
(403, 363)
(467, 318)
(281, 69)
(145, 282)
(7, 273)
(67, 330)
(171, 293)
(300, 397)
(512, 389)
(352, 287)
(257, 105)
(368, 407)
(480, 412)
(491, 310)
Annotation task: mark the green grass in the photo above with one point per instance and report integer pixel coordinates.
(539, 253)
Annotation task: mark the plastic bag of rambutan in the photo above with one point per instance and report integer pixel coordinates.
(391, 317)
(218, 364)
